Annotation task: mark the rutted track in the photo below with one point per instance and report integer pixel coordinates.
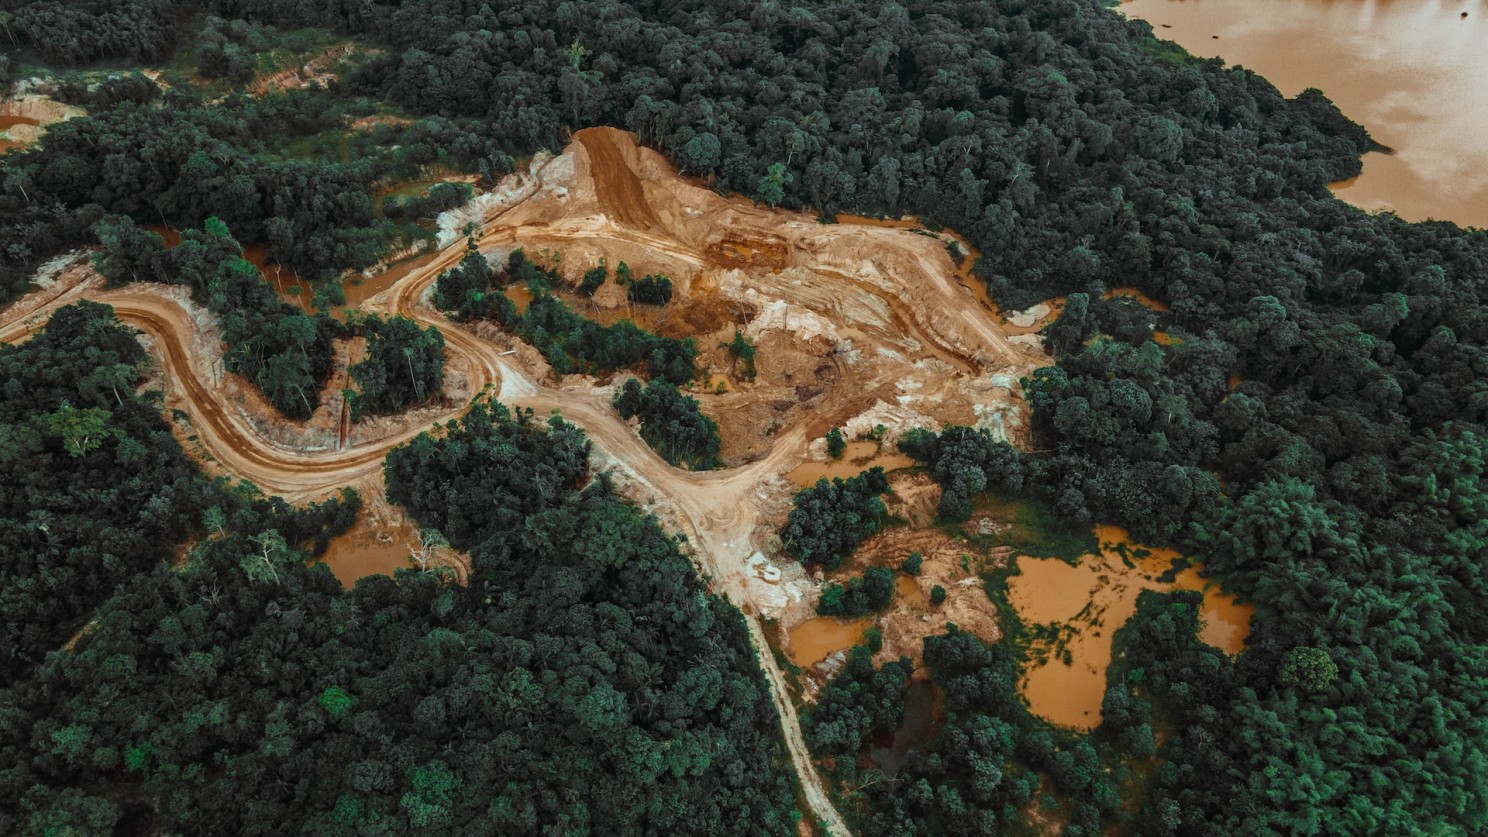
(695, 496)
(715, 509)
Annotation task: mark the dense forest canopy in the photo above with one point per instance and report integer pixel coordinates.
(1313, 428)
(583, 680)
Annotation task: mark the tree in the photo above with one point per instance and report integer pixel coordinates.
(81, 430)
(742, 349)
(836, 444)
(336, 701)
(1309, 668)
(593, 278)
(404, 366)
(671, 423)
(830, 519)
(130, 253)
(937, 595)
(653, 289)
(913, 562)
(772, 185)
(870, 592)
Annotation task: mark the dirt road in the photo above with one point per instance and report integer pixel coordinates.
(914, 327)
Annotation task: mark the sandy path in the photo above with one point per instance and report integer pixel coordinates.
(607, 191)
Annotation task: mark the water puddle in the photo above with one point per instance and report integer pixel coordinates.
(360, 289)
(1140, 298)
(1072, 612)
(22, 138)
(817, 639)
(290, 287)
(908, 589)
(859, 457)
(924, 711)
(366, 549)
(1412, 73)
(520, 295)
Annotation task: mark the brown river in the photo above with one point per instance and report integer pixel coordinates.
(1414, 72)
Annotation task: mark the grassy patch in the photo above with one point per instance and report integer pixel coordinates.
(1029, 528)
(1164, 51)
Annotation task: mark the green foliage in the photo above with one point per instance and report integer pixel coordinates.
(441, 197)
(435, 792)
(593, 278)
(913, 562)
(858, 702)
(772, 185)
(280, 349)
(870, 592)
(836, 444)
(653, 289)
(404, 366)
(742, 348)
(1077, 153)
(584, 676)
(80, 430)
(830, 519)
(228, 49)
(671, 423)
(937, 595)
(570, 342)
(1308, 667)
(336, 701)
(79, 516)
(130, 253)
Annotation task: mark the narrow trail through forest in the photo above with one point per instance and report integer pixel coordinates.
(716, 509)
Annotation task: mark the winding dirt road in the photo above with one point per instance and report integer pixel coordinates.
(618, 196)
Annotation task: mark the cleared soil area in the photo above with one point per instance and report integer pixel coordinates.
(857, 324)
(23, 119)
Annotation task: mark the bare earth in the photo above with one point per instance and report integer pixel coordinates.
(858, 324)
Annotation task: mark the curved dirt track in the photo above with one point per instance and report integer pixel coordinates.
(697, 497)
(626, 202)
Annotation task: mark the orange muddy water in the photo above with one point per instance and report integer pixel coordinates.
(859, 457)
(1413, 73)
(908, 589)
(1088, 603)
(366, 550)
(8, 122)
(817, 639)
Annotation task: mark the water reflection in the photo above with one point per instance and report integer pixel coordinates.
(859, 457)
(1413, 73)
(817, 639)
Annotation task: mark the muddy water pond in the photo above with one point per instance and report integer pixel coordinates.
(859, 457)
(817, 639)
(924, 712)
(1413, 73)
(366, 550)
(520, 295)
(22, 138)
(1073, 611)
(909, 590)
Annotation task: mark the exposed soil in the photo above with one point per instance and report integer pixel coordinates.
(318, 70)
(23, 119)
(857, 325)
